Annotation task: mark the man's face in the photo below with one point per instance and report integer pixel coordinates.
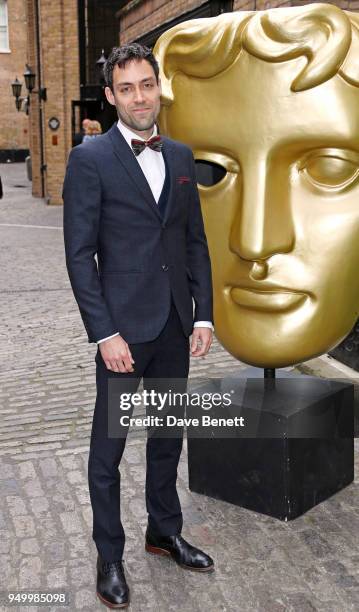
(136, 95)
(283, 223)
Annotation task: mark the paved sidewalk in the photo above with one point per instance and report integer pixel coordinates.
(47, 396)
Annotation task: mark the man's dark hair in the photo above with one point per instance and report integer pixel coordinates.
(120, 56)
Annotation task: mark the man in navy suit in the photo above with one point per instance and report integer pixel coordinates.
(131, 197)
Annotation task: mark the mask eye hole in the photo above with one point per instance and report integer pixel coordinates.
(209, 173)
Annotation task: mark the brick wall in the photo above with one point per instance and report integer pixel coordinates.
(14, 125)
(60, 76)
(147, 15)
(260, 5)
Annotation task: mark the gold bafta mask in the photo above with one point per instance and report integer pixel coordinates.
(272, 98)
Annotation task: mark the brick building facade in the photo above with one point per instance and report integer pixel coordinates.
(14, 126)
(139, 18)
(53, 55)
(71, 35)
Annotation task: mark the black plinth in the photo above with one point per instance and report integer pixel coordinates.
(274, 465)
(348, 351)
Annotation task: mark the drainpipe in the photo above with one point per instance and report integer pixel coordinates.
(39, 86)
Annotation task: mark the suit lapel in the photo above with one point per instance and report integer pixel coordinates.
(132, 167)
(168, 154)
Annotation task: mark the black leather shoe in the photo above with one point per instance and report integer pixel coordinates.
(112, 588)
(186, 555)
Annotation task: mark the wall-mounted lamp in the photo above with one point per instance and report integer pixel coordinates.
(99, 66)
(16, 86)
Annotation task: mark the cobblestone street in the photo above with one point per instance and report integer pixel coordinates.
(47, 381)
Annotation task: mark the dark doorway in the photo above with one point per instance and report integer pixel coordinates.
(98, 29)
(91, 109)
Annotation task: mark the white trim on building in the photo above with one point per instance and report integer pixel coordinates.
(4, 28)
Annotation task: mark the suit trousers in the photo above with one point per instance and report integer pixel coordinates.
(166, 357)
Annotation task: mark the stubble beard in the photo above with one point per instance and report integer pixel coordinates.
(140, 126)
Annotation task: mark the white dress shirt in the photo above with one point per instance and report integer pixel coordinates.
(151, 162)
(153, 167)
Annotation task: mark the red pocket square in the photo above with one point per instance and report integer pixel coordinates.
(183, 179)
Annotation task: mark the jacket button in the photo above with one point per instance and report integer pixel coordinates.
(164, 267)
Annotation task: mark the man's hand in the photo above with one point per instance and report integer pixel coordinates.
(116, 355)
(201, 341)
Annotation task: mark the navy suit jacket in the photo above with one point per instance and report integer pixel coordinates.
(142, 256)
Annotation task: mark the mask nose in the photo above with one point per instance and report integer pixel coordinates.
(263, 224)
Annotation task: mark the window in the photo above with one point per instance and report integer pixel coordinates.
(4, 28)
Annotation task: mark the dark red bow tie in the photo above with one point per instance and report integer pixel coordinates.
(154, 143)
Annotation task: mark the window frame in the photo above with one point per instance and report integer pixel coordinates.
(6, 25)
